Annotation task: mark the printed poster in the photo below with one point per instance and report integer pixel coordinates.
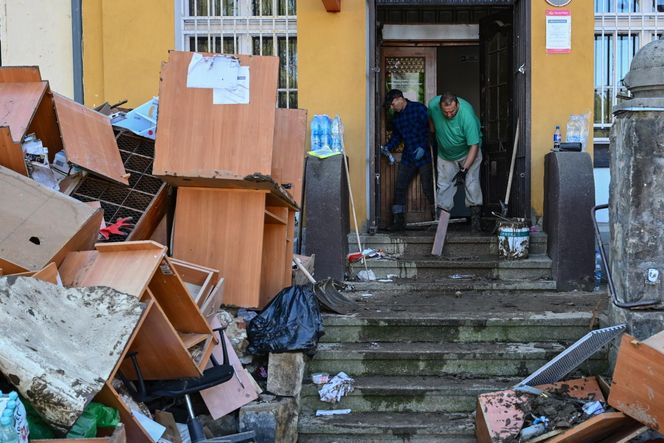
(558, 31)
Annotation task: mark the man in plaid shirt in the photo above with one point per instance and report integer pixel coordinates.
(410, 125)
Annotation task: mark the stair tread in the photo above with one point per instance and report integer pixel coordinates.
(405, 385)
(449, 284)
(405, 351)
(421, 423)
(465, 262)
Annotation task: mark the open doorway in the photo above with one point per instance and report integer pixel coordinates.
(474, 52)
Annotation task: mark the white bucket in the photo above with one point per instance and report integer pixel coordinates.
(513, 239)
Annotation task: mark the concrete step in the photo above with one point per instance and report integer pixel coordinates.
(381, 427)
(455, 319)
(478, 359)
(409, 394)
(446, 285)
(457, 244)
(427, 268)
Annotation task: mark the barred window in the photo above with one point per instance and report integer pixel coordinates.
(256, 27)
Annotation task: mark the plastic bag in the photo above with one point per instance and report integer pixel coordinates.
(577, 129)
(94, 416)
(290, 322)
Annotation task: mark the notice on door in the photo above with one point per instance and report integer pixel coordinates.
(558, 31)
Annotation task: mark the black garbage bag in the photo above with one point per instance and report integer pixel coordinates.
(290, 322)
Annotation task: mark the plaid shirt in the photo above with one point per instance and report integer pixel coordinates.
(411, 126)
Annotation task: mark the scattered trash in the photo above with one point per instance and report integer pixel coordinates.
(320, 378)
(462, 276)
(538, 428)
(323, 412)
(392, 276)
(246, 314)
(366, 275)
(385, 280)
(333, 391)
(593, 408)
(366, 295)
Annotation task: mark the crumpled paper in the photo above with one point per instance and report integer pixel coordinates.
(333, 391)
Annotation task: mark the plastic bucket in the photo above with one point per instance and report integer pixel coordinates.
(513, 239)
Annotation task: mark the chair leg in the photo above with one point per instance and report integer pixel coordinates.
(195, 428)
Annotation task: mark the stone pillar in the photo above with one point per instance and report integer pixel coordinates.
(636, 202)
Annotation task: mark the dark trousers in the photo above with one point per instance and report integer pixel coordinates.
(404, 175)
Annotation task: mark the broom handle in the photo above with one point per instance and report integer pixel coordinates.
(509, 181)
(301, 267)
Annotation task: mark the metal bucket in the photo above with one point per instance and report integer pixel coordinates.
(513, 239)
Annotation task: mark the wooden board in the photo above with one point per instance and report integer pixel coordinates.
(134, 430)
(11, 154)
(49, 274)
(18, 104)
(152, 216)
(126, 267)
(596, 428)
(88, 140)
(272, 271)
(198, 138)
(171, 294)
(160, 352)
(200, 281)
(8, 268)
(637, 388)
(14, 74)
(45, 125)
(290, 131)
(39, 325)
(223, 229)
(40, 225)
(441, 233)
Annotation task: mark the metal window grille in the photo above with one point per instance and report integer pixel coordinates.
(256, 27)
(622, 27)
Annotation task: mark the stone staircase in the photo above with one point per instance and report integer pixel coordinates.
(423, 348)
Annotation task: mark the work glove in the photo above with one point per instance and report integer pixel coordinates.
(121, 227)
(460, 177)
(390, 158)
(419, 153)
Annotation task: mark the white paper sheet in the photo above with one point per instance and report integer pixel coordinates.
(217, 71)
(151, 427)
(236, 95)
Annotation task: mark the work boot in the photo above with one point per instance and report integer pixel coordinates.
(475, 217)
(398, 222)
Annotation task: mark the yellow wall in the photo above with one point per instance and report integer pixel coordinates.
(332, 77)
(124, 43)
(39, 33)
(562, 84)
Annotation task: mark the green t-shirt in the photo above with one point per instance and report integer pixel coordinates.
(457, 134)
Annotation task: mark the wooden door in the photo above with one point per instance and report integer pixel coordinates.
(496, 79)
(413, 71)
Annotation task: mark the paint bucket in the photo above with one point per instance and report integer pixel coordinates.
(513, 239)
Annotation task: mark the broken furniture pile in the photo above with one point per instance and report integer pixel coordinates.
(235, 168)
(586, 410)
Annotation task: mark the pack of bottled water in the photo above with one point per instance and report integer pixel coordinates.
(13, 419)
(327, 134)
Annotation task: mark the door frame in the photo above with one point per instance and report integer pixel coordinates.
(522, 11)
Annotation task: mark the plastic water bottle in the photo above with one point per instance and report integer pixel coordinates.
(557, 137)
(336, 134)
(315, 133)
(599, 274)
(7, 432)
(325, 130)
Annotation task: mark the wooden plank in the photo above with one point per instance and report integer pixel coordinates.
(9, 268)
(332, 5)
(160, 352)
(196, 277)
(171, 294)
(152, 216)
(40, 225)
(274, 216)
(595, 428)
(223, 229)
(49, 274)
(288, 261)
(197, 137)
(17, 74)
(18, 104)
(45, 125)
(441, 232)
(135, 432)
(127, 267)
(11, 154)
(290, 132)
(637, 388)
(272, 270)
(88, 140)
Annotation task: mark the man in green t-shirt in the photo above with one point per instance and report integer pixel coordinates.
(457, 130)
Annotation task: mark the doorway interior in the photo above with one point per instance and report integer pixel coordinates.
(474, 52)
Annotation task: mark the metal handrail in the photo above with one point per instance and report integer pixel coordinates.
(612, 289)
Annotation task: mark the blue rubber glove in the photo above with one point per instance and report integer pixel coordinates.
(390, 158)
(419, 153)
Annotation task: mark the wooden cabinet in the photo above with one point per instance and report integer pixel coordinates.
(172, 340)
